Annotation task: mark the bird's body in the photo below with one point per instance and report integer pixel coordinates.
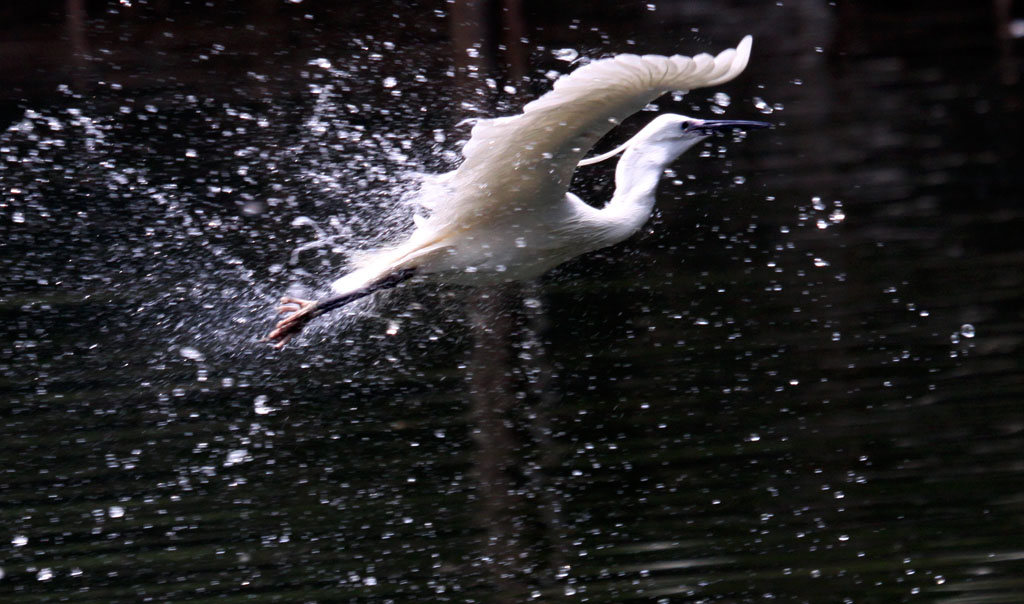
(506, 213)
(495, 248)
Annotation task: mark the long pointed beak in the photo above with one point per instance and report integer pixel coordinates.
(711, 126)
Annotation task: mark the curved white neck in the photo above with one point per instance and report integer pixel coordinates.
(636, 180)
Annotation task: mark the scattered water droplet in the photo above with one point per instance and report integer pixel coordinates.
(721, 99)
(739, 180)
(115, 511)
(236, 456)
(19, 541)
(191, 353)
(566, 54)
(967, 330)
(260, 407)
(254, 207)
(390, 82)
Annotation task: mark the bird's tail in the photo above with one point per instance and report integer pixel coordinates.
(380, 264)
(357, 280)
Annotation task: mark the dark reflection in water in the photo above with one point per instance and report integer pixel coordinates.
(801, 383)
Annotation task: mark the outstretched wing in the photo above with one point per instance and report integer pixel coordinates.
(523, 161)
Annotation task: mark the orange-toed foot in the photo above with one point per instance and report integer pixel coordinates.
(302, 311)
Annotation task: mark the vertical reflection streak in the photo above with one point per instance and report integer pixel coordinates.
(517, 512)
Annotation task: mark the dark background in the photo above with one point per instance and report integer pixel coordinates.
(801, 382)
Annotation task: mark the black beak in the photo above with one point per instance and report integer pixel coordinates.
(712, 126)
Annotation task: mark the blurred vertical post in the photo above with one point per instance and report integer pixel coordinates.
(514, 444)
(490, 376)
(540, 373)
(75, 18)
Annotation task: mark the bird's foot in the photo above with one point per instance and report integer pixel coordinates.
(302, 311)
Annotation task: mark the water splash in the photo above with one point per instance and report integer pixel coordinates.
(187, 231)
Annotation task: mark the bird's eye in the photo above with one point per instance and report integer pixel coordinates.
(684, 125)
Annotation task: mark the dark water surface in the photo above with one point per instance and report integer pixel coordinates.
(803, 382)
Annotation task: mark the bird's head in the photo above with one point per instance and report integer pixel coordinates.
(670, 135)
(674, 134)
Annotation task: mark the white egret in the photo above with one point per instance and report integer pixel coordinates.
(506, 214)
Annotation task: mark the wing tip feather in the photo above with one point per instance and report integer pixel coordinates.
(682, 73)
(734, 61)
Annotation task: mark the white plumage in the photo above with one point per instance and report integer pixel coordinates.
(506, 213)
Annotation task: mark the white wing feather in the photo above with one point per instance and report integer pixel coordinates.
(514, 162)
(525, 162)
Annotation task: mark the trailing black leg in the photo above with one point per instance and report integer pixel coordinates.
(331, 302)
(303, 311)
